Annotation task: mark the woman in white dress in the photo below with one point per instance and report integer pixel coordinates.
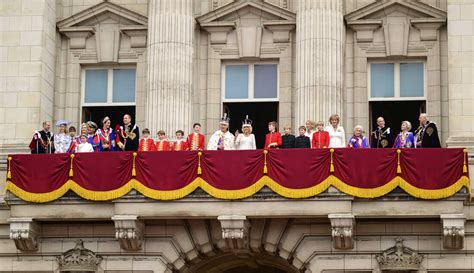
(246, 140)
(336, 132)
(62, 141)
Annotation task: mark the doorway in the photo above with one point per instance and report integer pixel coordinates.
(261, 113)
(115, 113)
(394, 112)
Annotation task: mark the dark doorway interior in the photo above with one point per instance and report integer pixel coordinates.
(115, 113)
(259, 112)
(394, 112)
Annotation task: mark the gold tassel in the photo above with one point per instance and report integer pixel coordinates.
(399, 168)
(9, 173)
(331, 169)
(199, 163)
(464, 167)
(134, 171)
(71, 172)
(265, 169)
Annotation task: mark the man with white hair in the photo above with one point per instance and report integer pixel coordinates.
(382, 136)
(426, 136)
(222, 139)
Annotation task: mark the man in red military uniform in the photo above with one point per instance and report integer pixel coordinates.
(196, 139)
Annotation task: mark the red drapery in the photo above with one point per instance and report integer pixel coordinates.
(292, 173)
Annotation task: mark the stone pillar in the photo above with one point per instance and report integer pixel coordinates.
(170, 62)
(461, 74)
(319, 59)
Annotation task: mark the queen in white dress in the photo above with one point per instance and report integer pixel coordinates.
(246, 140)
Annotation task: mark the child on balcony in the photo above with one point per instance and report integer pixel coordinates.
(320, 137)
(302, 141)
(162, 144)
(146, 143)
(273, 138)
(84, 146)
(180, 144)
(287, 140)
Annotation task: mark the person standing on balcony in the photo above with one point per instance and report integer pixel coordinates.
(62, 141)
(336, 133)
(287, 140)
(75, 140)
(405, 138)
(358, 140)
(43, 141)
(302, 141)
(427, 134)
(84, 146)
(107, 136)
(222, 139)
(382, 136)
(246, 140)
(309, 129)
(273, 138)
(320, 137)
(128, 135)
(162, 144)
(92, 136)
(146, 143)
(196, 140)
(180, 143)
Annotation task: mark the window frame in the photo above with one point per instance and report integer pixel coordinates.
(396, 79)
(110, 87)
(251, 83)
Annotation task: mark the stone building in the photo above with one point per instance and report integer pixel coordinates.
(171, 63)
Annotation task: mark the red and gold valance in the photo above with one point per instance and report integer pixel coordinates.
(292, 173)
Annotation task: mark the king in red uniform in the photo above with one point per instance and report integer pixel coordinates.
(180, 144)
(273, 138)
(146, 143)
(196, 140)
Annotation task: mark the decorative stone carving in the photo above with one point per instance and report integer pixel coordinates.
(281, 30)
(24, 231)
(137, 35)
(428, 27)
(396, 44)
(77, 36)
(79, 259)
(234, 226)
(129, 231)
(453, 230)
(342, 230)
(365, 29)
(218, 31)
(399, 257)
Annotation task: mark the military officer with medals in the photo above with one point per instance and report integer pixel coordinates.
(128, 135)
(382, 136)
(43, 141)
(426, 136)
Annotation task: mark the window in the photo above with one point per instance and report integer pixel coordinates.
(404, 80)
(109, 87)
(250, 82)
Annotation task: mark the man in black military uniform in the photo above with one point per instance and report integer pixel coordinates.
(43, 141)
(128, 135)
(382, 136)
(427, 134)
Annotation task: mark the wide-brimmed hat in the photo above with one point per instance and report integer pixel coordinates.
(62, 122)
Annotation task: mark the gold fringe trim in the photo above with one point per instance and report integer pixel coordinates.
(9, 172)
(240, 193)
(199, 162)
(265, 169)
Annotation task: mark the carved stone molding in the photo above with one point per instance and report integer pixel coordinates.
(79, 259)
(342, 226)
(129, 231)
(428, 27)
(218, 31)
(399, 257)
(281, 30)
(234, 226)
(453, 230)
(365, 29)
(137, 34)
(24, 232)
(77, 35)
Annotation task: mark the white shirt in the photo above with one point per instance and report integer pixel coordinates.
(337, 137)
(244, 142)
(227, 138)
(84, 148)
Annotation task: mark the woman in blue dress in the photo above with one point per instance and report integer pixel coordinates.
(405, 138)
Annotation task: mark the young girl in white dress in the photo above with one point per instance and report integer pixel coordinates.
(246, 140)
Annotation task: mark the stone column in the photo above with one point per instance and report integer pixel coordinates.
(170, 62)
(461, 74)
(319, 59)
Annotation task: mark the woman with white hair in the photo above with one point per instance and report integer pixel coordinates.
(358, 140)
(405, 138)
(246, 140)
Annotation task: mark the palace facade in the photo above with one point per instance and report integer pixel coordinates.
(170, 63)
